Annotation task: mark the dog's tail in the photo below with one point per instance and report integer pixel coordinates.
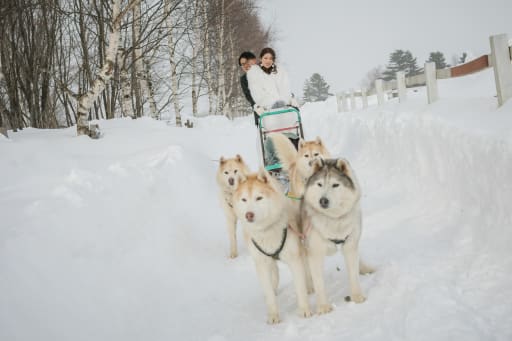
(285, 150)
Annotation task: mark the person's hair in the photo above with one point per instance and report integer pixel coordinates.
(273, 68)
(247, 55)
(268, 50)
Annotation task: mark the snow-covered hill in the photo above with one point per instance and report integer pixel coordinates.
(123, 238)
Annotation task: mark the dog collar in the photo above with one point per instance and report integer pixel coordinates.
(293, 197)
(275, 254)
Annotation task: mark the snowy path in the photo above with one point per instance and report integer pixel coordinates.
(123, 238)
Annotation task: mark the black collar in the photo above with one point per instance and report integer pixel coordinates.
(338, 241)
(276, 253)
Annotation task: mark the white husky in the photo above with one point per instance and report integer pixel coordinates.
(331, 210)
(228, 177)
(261, 208)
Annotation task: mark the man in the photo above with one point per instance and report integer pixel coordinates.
(246, 60)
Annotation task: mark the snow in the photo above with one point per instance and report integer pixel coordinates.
(123, 238)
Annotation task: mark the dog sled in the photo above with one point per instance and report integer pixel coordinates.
(287, 121)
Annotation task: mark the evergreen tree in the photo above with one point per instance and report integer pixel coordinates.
(401, 60)
(438, 58)
(315, 89)
(463, 58)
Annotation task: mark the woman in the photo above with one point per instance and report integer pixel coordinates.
(270, 88)
(269, 84)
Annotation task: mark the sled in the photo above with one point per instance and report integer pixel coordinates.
(285, 120)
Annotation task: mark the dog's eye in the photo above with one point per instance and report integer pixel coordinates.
(319, 184)
(226, 172)
(335, 185)
(259, 198)
(236, 170)
(306, 155)
(316, 154)
(244, 200)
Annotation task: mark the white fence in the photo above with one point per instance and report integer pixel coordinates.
(500, 59)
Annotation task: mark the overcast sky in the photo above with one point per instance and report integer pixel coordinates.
(343, 40)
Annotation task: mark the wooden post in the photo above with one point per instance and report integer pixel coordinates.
(344, 101)
(3, 131)
(431, 80)
(380, 92)
(352, 100)
(500, 60)
(364, 97)
(400, 82)
(338, 102)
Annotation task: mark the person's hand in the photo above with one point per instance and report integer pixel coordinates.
(294, 102)
(259, 109)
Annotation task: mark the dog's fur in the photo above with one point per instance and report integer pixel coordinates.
(259, 205)
(332, 206)
(228, 178)
(297, 163)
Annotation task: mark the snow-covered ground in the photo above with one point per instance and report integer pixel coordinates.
(123, 238)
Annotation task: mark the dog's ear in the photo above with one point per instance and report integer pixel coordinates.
(318, 140)
(239, 158)
(301, 143)
(317, 164)
(222, 160)
(263, 175)
(343, 166)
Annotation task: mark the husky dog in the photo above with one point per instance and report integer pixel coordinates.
(331, 208)
(262, 210)
(297, 163)
(228, 178)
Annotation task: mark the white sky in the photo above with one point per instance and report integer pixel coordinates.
(343, 40)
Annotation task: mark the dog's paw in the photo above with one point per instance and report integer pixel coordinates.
(324, 309)
(273, 319)
(233, 254)
(305, 312)
(355, 298)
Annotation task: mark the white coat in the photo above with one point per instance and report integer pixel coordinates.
(267, 89)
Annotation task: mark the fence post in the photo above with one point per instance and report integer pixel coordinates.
(380, 93)
(431, 80)
(500, 58)
(344, 101)
(352, 100)
(364, 97)
(338, 102)
(400, 82)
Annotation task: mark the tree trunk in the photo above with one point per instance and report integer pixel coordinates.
(86, 101)
(207, 58)
(174, 76)
(195, 47)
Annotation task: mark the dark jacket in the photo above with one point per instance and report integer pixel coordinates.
(247, 93)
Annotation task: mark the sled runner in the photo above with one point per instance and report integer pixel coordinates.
(285, 120)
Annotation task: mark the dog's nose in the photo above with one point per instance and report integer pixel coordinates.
(231, 181)
(324, 202)
(249, 216)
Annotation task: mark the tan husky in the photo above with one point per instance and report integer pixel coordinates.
(261, 208)
(228, 178)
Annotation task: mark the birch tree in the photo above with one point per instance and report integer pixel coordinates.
(86, 101)
(172, 55)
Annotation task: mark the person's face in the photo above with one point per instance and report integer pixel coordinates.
(247, 63)
(267, 60)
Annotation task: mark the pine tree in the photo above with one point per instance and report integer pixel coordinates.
(401, 60)
(463, 58)
(315, 89)
(438, 58)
